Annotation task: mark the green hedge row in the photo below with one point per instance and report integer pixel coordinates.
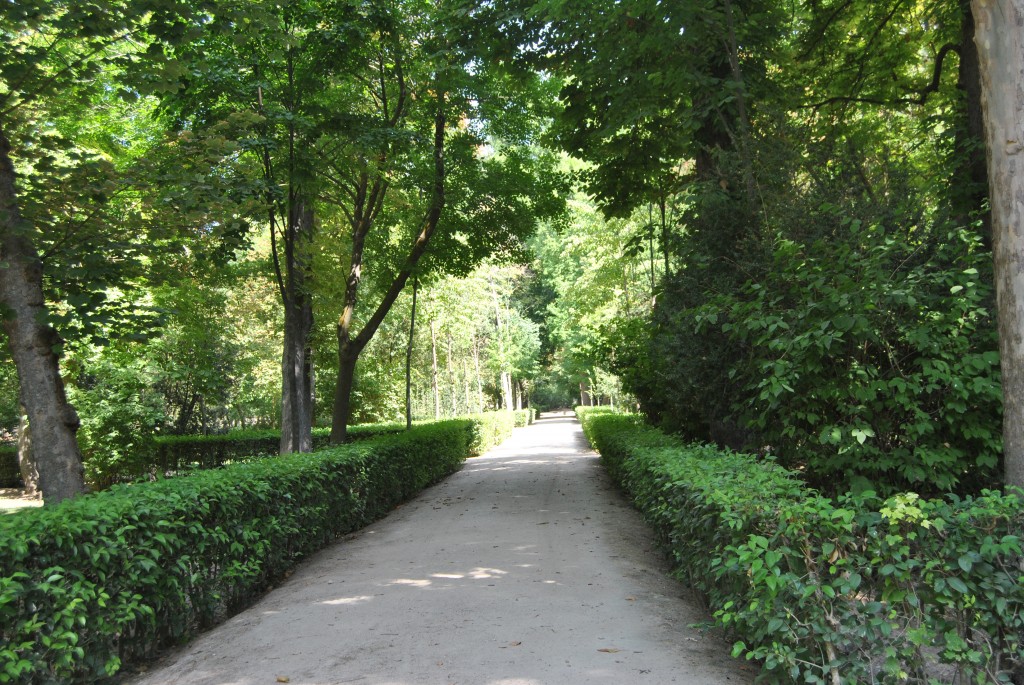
(102, 579)
(490, 429)
(524, 417)
(173, 454)
(857, 590)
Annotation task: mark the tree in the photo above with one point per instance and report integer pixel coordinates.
(44, 53)
(475, 180)
(1000, 42)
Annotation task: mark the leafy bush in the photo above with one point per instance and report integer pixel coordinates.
(120, 413)
(864, 355)
(105, 578)
(489, 429)
(521, 418)
(872, 361)
(857, 590)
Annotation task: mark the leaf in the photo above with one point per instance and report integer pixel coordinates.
(958, 585)
(609, 650)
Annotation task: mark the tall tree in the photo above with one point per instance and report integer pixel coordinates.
(478, 186)
(50, 52)
(1000, 39)
(295, 73)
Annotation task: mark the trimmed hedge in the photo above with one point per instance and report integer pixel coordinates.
(857, 590)
(174, 454)
(522, 417)
(106, 578)
(489, 429)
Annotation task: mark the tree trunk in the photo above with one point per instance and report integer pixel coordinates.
(26, 460)
(479, 377)
(408, 356)
(343, 392)
(453, 380)
(35, 345)
(970, 181)
(296, 368)
(433, 373)
(999, 37)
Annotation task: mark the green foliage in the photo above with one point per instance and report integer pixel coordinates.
(107, 578)
(489, 429)
(170, 455)
(522, 417)
(859, 589)
(870, 360)
(120, 413)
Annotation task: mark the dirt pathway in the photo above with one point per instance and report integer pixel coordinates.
(525, 568)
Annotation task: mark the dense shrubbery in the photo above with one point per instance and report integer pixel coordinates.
(858, 590)
(866, 358)
(105, 578)
(489, 429)
(524, 417)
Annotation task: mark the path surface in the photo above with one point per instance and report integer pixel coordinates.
(525, 568)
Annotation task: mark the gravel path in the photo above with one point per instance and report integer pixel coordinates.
(525, 568)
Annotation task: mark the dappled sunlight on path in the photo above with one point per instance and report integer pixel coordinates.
(525, 568)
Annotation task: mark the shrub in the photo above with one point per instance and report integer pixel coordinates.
(101, 579)
(857, 590)
(521, 418)
(869, 360)
(174, 454)
(489, 429)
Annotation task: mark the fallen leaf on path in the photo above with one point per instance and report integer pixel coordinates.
(609, 650)
(514, 644)
(283, 679)
(630, 599)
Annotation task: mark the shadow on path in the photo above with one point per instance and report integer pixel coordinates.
(525, 568)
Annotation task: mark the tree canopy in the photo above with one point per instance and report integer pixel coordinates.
(760, 224)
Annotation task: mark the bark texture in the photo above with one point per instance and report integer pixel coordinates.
(296, 366)
(26, 459)
(34, 346)
(999, 36)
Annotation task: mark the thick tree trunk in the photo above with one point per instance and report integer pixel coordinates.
(34, 345)
(999, 36)
(296, 384)
(296, 369)
(343, 391)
